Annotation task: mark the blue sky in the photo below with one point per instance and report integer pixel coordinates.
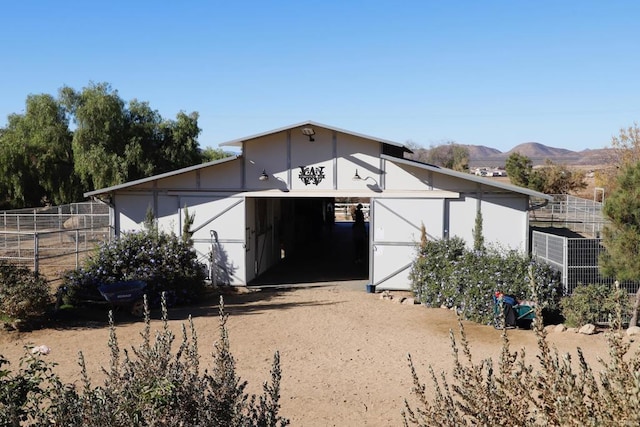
(493, 73)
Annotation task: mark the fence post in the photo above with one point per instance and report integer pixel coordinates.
(77, 249)
(36, 253)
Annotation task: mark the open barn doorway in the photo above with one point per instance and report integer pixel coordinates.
(316, 243)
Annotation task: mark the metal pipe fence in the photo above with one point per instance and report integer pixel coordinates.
(52, 240)
(571, 212)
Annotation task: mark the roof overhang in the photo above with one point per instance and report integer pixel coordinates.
(156, 177)
(238, 142)
(469, 177)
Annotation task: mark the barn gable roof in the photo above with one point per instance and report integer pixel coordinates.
(392, 151)
(160, 176)
(469, 177)
(238, 142)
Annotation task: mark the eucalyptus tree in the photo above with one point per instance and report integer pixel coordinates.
(114, 142)
(36, 158)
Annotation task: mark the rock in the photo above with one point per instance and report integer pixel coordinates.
(399, 300)
(588, 329)
(633, 330)
(573, 330)
(560, 328)
(444, 306)
(549, 328)
(386, 295)
(409, 301)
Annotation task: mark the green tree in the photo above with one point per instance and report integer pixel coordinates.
(478, 236)
(450, 155)
(519, 167)
(36, 158)
(621, 236)
(624, 151)
(557, 179)
(549, 179)
(114, 143)
(210, 154)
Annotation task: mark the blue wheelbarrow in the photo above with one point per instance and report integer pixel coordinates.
(128, 294)
(509, 312)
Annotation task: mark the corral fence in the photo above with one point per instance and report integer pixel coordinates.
(52, 240)
(574, 213)
(575, 258)
(343, 211)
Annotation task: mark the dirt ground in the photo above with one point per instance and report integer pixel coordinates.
(343, 351)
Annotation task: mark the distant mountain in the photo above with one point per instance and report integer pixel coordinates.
(480, 155)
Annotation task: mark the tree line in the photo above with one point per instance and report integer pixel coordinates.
(61, 147)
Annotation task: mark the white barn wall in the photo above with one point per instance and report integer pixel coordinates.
(131, 210)
(462, 217)
(318, 153)
(357, 153)
(505, 221)
(399, 176)
(223, 197)
(269, 154)
(224, 176)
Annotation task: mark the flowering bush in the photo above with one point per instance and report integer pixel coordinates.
(446, 273)
(162, 260)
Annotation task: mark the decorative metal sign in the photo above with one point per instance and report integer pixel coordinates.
(311, 175)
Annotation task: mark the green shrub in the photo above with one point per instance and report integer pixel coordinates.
(23, 294)
(162, 260)
(150, 385)
(593, 303)
(446, 273)
(561, 392)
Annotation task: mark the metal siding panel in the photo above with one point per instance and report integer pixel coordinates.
(132, 210)
(167, 215)
(389, 263)
(462, 218)
(396, 231)
(225, 217)
(505, 221)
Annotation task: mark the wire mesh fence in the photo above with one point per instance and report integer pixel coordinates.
(575, 258)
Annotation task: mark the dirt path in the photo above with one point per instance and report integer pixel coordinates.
(343, 351)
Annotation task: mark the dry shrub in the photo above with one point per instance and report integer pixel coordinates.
(513, 394)
(150, 385)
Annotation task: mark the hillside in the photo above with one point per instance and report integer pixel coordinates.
(480, 155)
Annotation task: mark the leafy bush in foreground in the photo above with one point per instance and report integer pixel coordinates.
(513, 394)
(23, 294)
(149, 386)
(162, 260)
(446, 273)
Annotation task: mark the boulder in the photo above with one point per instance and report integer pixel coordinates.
(560, 328)
(633, 330)
(588, 329)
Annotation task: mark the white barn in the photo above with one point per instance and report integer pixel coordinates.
(256, 209)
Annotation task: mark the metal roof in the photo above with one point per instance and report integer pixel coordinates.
(469, 177)
(160, 176)
(238, 142)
